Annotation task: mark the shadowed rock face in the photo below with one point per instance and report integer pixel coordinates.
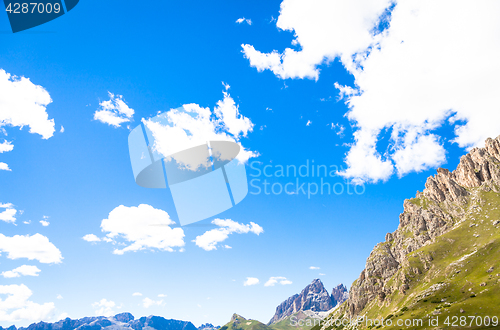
(432, 213)
(339, 294)
(123, 321)
(314, 297)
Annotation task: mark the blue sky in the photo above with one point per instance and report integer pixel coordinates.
(345, 94)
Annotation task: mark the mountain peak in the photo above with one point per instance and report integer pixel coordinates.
(313, 297)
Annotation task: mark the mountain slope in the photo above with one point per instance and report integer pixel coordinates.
(444, 258)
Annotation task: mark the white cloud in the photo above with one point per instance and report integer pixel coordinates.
(279, 279)
(4, 167)
(136, 294)
(147, 302)
(35, 247)
(432, 66)
(6, 146)
(208, 240)
(251, 281)
(309, 123)
(24, 270)
(192, 125)
(105, 307)
(313, 267)
(321, 274)
(244, 20)
(114, 112)
(91, 238)
(324, 30)
(144, 227)
(59, 296)
(44, 223)
(161, 295)
(62, 129)
(24, 104)
(9, 214)
(17, 307)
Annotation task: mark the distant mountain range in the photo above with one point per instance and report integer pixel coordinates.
(125, 321)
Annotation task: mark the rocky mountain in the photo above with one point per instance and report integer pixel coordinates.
(125, 321)
(339, 294)
(208, 326)
(313, 297)
(444, 257)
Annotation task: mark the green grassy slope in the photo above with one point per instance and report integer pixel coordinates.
(457, 276)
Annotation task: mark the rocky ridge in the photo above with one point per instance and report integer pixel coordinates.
(313, 297)
(125, 321)
(447, 200)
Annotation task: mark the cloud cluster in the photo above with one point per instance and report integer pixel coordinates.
(244, 20)
(104, 307)
(209, 240)
(142, 227)
(114, 112)
(23, 104)
(147, 302)
(278, 279)
(9, 213)
(35, 247)
(192, 125)
(17, 306)
(418, 66)
(24, 270)
(323, 30)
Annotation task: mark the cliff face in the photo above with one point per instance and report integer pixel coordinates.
(314, 297)
(339, 294)
(448, 200)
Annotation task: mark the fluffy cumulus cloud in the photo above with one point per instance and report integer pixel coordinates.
(251, 281)
(279, 279)
(209, 240)
(434, 64)
(9, 213)
(114, 112)
(23, 104)
(147, 302)
(24, 270)
(35, 247)
(15, 305)
(324, 30)
(139, 228)
(192, 125)
(104, 307)
(6, 146)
